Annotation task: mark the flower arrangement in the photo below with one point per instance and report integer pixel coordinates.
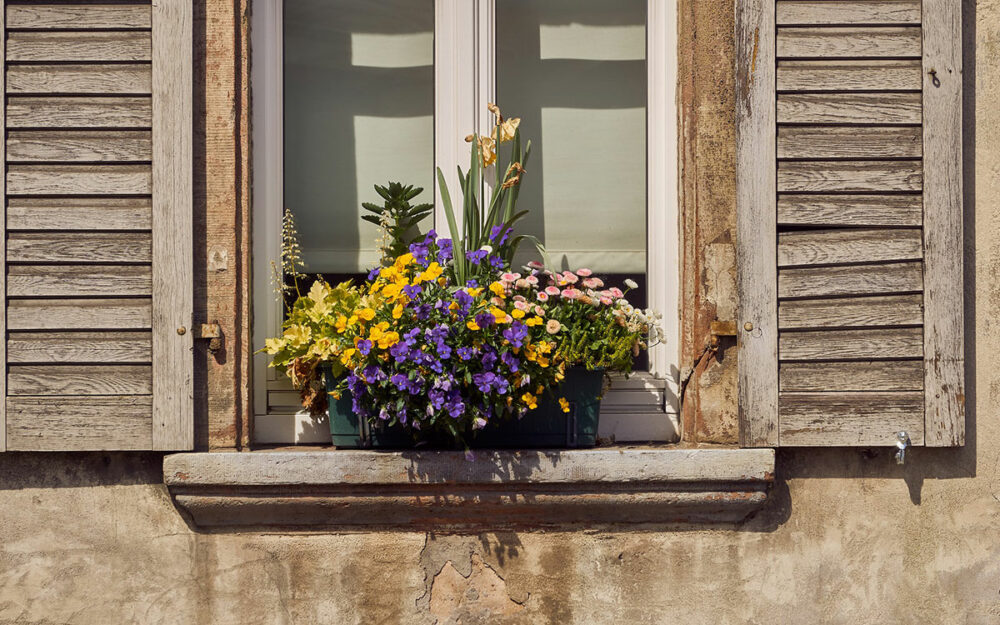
(445, 338)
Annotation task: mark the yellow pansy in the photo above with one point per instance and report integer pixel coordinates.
(517, 313)
(530, 401)
(533, 321)
(472, 325)
(498, 289)
(388, 339)
(432, 273)
(453, 306)
(340, 324)
(367, 314)
(389, 273)
(543, 362)
(564, 404)
(397, 311)
(474, 292)
(346, 356)
(403, 261)
(382, 325)
(499, 315)
(392, 291)
(352, 320)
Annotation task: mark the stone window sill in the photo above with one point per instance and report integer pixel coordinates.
(423, 490)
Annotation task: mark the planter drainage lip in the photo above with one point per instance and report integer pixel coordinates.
(443, 490)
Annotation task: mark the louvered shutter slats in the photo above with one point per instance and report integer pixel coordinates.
(98, 226)
(866, 220)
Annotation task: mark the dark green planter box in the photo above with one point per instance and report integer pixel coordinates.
(546, 426)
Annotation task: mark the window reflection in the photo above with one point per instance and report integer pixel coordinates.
(358, 111)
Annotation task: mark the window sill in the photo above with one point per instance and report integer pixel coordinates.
(441, 489)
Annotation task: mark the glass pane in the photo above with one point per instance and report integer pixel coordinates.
(575, 72)
(359, 111)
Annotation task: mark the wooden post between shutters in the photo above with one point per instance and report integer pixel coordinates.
(756, 223)
(944, 361)
(173, 275)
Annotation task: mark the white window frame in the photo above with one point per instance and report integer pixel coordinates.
(464, 43)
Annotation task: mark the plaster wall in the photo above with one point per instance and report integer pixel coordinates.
(848, 537)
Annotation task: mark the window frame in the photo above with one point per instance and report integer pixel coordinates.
(464, 42)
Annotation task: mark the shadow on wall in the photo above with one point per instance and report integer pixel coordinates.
(20, 470)
(922, 463)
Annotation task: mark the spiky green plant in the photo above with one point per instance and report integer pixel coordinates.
(397, 218)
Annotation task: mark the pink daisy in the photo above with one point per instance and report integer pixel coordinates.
(552, 290)
(593, 283)
(584, 272)
(542, 296)
(571, 293)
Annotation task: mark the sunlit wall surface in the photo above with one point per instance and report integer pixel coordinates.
(358, 111)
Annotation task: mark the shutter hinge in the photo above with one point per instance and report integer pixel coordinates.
(212, 332)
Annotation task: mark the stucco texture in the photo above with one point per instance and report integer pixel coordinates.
(848, 537)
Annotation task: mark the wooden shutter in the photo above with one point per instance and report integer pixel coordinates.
(97, 250)
(849, 222)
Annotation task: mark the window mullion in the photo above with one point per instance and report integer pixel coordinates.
(464, 76)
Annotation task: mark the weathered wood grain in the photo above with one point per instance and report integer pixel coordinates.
(849, 108)
(78, 112)
(79, 79)
(755, 223)
(79, 347)
(851, 280)
(79, 179)
(79, 247)
(828, 247)
(3, 243)
(79, 314)
(173, 252)
(77, 16)
(80, 213)
(832, 42)
(867, 344)
(850, 210)
(879, 375)
(76, 380)
(850, 419)
(79, 46)
(79, 423)
(865, 142)
(78, 281)
(944, 338)
(39, 146)
(888, 310)
(848, 12)
(868, 75)
(850, 176)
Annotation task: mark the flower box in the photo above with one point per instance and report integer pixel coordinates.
(546, 426)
